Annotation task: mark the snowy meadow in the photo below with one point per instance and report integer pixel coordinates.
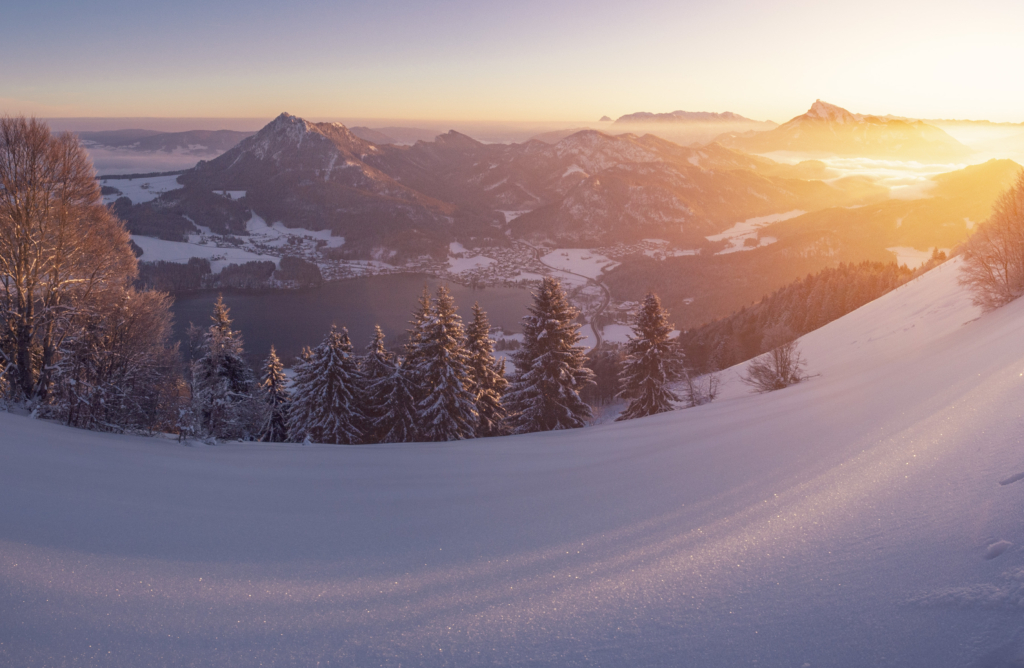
(854, 519)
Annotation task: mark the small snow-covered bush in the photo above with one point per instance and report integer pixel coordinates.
(780, 367)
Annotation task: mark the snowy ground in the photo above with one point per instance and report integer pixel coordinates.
(865, 517)
(579, 261)
(140, 190)
(738, 234)
(154, 249)
(278, 235)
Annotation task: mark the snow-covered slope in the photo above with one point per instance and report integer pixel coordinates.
(853, 520)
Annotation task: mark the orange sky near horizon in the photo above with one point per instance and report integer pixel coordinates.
(522, 62)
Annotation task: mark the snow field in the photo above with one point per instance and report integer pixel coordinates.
(738, 234)
(460, 264)
(279, 235)
(140, 190)
(512, 215)
(205, 245)
(851, 520)
(579, 261)
(154, 250)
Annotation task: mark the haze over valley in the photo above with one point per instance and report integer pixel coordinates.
(713, 225)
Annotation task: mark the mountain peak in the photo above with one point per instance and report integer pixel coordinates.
(830, 112)
(454, 138)
(827, 128)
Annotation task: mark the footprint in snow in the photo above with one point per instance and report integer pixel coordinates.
(1012, 479)
(997, 548)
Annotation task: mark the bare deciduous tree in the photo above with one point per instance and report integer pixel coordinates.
(699, 388)
(780, 367)
(994, 256)
(59, 248)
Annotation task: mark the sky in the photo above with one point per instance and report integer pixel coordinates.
(537, 60)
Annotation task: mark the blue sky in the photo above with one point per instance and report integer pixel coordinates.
(511, 61)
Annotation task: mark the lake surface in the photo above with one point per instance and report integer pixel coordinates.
(291, 319)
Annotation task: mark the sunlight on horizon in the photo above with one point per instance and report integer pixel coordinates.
(463, 62)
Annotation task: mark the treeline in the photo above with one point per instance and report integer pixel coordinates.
(444, 384)
(196, 274)
(800, 307)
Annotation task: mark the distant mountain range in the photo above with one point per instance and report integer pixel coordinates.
(688, 127)
(687, 117)
(590, 189)
(828, 129)
(402, 201)
(395, 202)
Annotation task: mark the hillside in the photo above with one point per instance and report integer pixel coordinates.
(826, 128)
(699, 288)
(866, 517)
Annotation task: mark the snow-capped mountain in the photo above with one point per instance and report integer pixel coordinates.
(688, 127)
(317, 176)
(869, 516)
(593, 187)
(828, 129)
(588, 188)
(687, 117)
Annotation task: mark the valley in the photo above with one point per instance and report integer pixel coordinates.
(710, 228)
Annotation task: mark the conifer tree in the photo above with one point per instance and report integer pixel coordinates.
(550, 366)
(652, 362)
(447, 410)
(417, 331)
(487, 376)
(395, 394)
(375, 366)
(324, 407)
(223, 386)
(276, 400)
(299, 411)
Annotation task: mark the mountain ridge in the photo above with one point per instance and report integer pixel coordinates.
(680, 116)
(828, 128)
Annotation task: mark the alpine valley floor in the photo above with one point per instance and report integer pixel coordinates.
(856, 519)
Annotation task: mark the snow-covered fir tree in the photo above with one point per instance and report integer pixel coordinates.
(652, 362)
(487, 376)
(550, 367)
(417, 331)
(396, 418)
(447, 409)
(298, 412)
(224, 402)
(325, 408)
(376, 365)
(276, 400)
